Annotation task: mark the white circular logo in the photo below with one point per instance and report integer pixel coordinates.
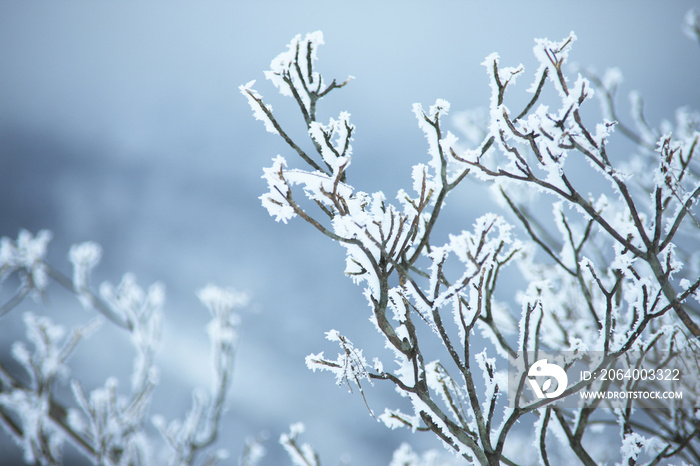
(544, 369)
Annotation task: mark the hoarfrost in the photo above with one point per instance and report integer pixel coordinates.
(261, 111)
(300, 454)
(26, 254)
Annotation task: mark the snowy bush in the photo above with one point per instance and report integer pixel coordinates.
(608, 276)
(110, 425)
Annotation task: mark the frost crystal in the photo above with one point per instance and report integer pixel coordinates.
(220, 301)
(300, 454)
(260, 111)
(282, 72)
(84, 258)
(26, 254)
(275, 201)
(349, 367)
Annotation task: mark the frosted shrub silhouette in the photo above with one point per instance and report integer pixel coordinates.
(611, 279)
(107, 424)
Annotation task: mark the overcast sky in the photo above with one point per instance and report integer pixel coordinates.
(122, 123)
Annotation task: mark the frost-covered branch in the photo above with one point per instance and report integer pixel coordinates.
(301, 454)
(607, 278)
(200, 427)
(107, 424)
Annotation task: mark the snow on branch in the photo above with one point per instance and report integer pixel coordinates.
(301, 454)
(107, 424)
(604, 273)
(26, 257)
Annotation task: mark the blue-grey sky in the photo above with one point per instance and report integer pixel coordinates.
(122, 123)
